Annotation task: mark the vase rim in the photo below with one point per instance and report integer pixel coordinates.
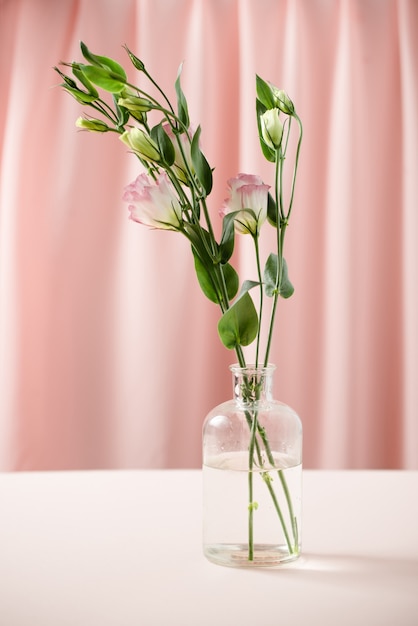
(251, 367)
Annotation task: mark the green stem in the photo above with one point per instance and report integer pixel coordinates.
(251, 503)
(270, 335)
(260, 279)
(295, 169)
(282, 220)
(267, 479)
(285, 487)
(254, 447)
(279, 243)
(240, 356)
(290, 508)
(102, 107)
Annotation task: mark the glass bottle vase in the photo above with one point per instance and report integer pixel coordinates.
(252, 475)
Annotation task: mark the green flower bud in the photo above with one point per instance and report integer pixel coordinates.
(271, 128)
(141, 143)
(81, 96)
(92, 124)
(134, 104)
(283, 102)
(137, 63)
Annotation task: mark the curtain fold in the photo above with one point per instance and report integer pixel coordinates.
(109, 354)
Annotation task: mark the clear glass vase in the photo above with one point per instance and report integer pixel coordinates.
(252, 476)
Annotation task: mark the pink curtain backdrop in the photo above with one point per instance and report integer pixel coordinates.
(109, 354)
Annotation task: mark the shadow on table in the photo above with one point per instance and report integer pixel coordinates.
(353, 568)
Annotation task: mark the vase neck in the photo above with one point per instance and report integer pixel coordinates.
(252, 384)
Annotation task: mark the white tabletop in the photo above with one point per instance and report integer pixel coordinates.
(123, 548)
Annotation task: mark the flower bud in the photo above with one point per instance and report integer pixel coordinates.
(284, 102)
(137, 107)
(271, 128)
(137, 63)
(92, 124)
(134, 104)
(141, 143)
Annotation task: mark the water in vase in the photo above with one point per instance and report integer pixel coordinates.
(275, 505)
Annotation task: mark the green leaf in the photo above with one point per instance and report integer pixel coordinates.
(104, 62)
(264, 93)
(182, 108)
(271, 210)
(228, 236)
(81, 77)
(205, 278)
(231, 280)
(164, 143)
(206, 275)
(71, 86)
(104, 78)
(270, 275)
(238, 326)
(200, 164)
(202, 241)
(122, 112)
(208, 266)
(285, 288)
(247, 285)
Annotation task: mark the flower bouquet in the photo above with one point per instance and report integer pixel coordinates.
(170, 193)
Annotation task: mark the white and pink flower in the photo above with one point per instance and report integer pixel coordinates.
(249, 196)
(154, 203)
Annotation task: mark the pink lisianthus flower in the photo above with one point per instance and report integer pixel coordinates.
(154, 203)
(248, 195)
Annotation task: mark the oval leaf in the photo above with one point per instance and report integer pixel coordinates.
(231, 280)
(201, 166)
(264, 93)
(164, 143)
(247, 285)
(87, 84)
(104, 62)
(202, 242)
(238, 326)
(182, 109)
(123, 113)
(104, 78)
(227, 242)
(272, 213)
(270, 275)
(205, 279)
(286, 288)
